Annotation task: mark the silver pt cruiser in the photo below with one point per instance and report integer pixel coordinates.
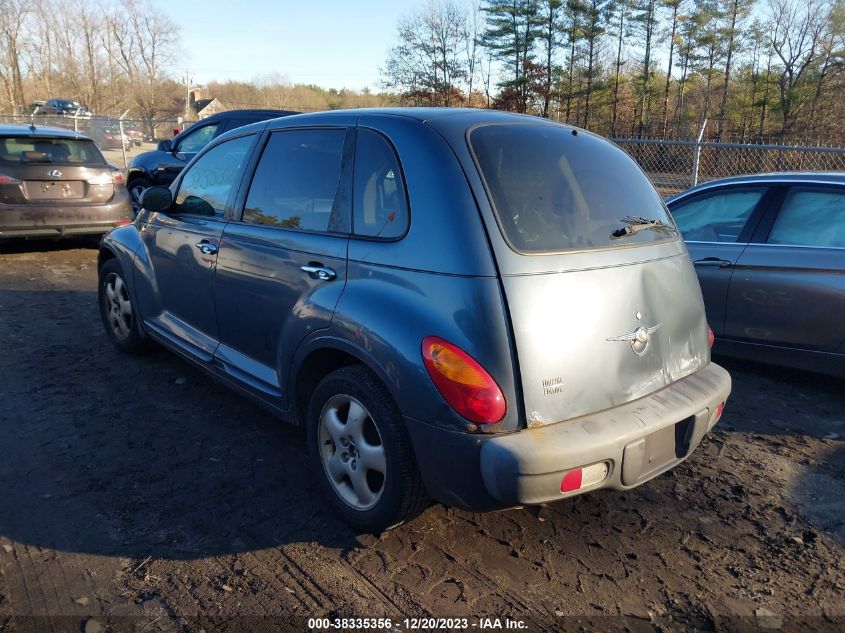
(488, 309)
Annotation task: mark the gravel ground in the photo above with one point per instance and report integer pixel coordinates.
(139, 495)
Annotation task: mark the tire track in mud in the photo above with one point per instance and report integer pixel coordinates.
(92, 489)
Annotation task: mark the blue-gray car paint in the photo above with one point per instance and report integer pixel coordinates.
(427, 256)
(445, 277)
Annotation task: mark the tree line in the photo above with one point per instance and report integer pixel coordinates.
(109, 56)
(115, 55)
(753, 69)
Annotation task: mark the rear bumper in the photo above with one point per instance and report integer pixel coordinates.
(629, 445)
(41, 220)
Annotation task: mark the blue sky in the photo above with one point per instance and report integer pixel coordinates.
(331, 43)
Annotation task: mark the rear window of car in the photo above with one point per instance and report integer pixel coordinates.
(554, 190)
(59, 151)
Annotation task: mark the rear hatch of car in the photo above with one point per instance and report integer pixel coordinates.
(54, 170)
(603, 299)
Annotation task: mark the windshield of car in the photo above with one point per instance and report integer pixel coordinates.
(556, 189)
(29, 150)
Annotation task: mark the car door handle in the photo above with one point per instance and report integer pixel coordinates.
(317, 271)
(206, 247)
(714, 262)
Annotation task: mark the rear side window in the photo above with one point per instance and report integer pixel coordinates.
(716, 217)
(379, 207)
(811, 218)
(296, 182)
(45, 151)
(553, 190)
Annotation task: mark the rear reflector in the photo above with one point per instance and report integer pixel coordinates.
(711, 338)
(572, 480)
(583, 477)
(719, 410)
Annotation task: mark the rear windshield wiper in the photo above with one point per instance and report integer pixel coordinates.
(637, 223)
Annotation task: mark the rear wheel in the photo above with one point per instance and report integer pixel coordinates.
(361, 452)
(117, 311)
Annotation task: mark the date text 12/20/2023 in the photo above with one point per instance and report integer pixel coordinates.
(416, 624)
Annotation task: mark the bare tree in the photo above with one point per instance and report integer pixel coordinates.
(621, 10)
(674, 7)
(645, 19)
(13, 15)
(146, 43)
(426, 65)
(550, 25)
(797, 28)
(474, 26)
(735, 14)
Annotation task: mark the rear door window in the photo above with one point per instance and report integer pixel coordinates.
(296, 182)
(554, 190)
(718, 216)
(379, 208)
(811, 217)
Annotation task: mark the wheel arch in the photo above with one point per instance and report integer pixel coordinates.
(317, 358)
(133, 173)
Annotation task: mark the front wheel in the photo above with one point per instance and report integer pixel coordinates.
(116, 310)
(361, 451)
(136, 188)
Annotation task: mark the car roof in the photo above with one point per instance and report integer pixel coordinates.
(233, 114)
(783, 178)
(441, 119)
(39, 130)
(468, 115)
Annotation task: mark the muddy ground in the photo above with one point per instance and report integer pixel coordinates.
(138, 495)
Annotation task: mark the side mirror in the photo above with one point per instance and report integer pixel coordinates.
(156, 199)
(164, 146)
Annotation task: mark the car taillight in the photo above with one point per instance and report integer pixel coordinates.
(462, 382)
(711, 338)
(113, 177)
(8, 180)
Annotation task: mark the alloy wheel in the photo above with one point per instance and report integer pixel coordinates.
(117, 306)
(352, 452)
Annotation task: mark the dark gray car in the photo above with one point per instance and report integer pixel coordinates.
(769, 250)
(489, 309)
(56, 183)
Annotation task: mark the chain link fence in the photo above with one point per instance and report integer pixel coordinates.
(676, 165)
(118, 139)
(672, 165)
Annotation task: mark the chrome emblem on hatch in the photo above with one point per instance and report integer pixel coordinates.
(639, 338)
(54, 173)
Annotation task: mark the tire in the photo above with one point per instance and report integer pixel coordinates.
(381, 497)
(136, 186)
(116, 310)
